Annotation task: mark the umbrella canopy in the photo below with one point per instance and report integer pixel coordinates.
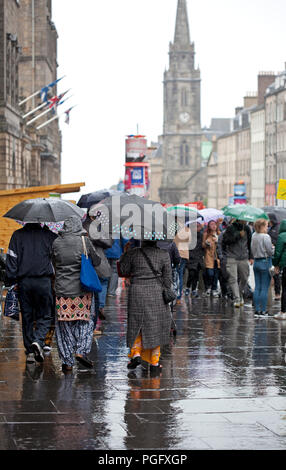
(133, 217)
(44, 210)
(88, 200)
(244, 212)
(280, 212)
(182, 211)
(211, 214)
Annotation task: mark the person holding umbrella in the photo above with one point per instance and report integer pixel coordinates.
(149, 317)
(29, 267)
(74, 326)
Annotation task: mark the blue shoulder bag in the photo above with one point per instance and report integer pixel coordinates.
(88, 276)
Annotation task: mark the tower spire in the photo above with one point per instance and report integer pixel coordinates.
(182, 31)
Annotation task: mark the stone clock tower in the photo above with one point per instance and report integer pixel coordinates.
(182, 116)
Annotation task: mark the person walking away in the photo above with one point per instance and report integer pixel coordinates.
(279, 262)
(274, 232)
(183, 241)
(212, 263)
(262, 250)
(236, 243)
(74, 327)
(195, 263)
(149, 318)
(29, 267)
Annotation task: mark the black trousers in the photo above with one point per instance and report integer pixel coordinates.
(283, 296)
(193, 277)
(36, 303)
(277, 284)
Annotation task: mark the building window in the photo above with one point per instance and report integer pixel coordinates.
(184, 97)
(184, 155)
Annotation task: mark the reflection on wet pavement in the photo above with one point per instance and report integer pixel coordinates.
(223, 386)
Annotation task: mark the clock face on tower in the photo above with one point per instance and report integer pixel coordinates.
(184, 117)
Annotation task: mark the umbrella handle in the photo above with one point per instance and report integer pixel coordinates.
(84, 248)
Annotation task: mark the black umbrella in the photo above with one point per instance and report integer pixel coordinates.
(88, 200)
(43, 210)
(133, 217)
(280, 212)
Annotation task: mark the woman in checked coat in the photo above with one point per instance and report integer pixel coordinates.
(149, 318)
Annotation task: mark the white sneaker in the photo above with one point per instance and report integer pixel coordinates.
(236, 304)
(215, 293)
(280, 316)
(242, 302)
(30, 359)
(38, 352)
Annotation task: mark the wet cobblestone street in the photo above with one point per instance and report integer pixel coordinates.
(223, 387)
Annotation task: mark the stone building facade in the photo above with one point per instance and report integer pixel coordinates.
(257, 164)
(181, 148)
(275, 137)
(249, 152)
(28, 52)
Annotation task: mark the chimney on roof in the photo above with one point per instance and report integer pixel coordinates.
(264, 81)
(250, 99)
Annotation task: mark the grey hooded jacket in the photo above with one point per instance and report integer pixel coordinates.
(66, 254)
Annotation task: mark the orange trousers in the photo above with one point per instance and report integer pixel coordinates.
(148, 355)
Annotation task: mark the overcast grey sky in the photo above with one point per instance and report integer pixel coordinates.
(114, 53)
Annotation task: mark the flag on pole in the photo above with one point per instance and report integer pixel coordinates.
(67, 113)
(43, 92)
(55, 117)
(51, 102)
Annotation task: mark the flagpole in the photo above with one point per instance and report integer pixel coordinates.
(47, 122)
(52, 119)
(34, 110)
(45, 112)
(40, 115)
(44, 104)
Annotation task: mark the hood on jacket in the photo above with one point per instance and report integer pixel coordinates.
(273, 218)
(282, 226)
(73, 225)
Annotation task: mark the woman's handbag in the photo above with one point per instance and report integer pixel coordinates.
(168, 293)
(11, 306)
(88, 276)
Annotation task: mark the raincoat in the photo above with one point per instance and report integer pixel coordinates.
(67, 250)
(147, 311)
(280, 249)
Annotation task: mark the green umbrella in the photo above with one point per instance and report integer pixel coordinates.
(244, 212)
(183, 211)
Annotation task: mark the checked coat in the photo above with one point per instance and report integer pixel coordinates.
(147, 311)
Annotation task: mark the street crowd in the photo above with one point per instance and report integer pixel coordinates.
(44, 269)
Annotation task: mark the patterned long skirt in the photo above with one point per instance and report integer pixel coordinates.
(73, 337)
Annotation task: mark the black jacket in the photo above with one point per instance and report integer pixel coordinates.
(274, 230)
(196, 256)
(235, 246)
(29, 253)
